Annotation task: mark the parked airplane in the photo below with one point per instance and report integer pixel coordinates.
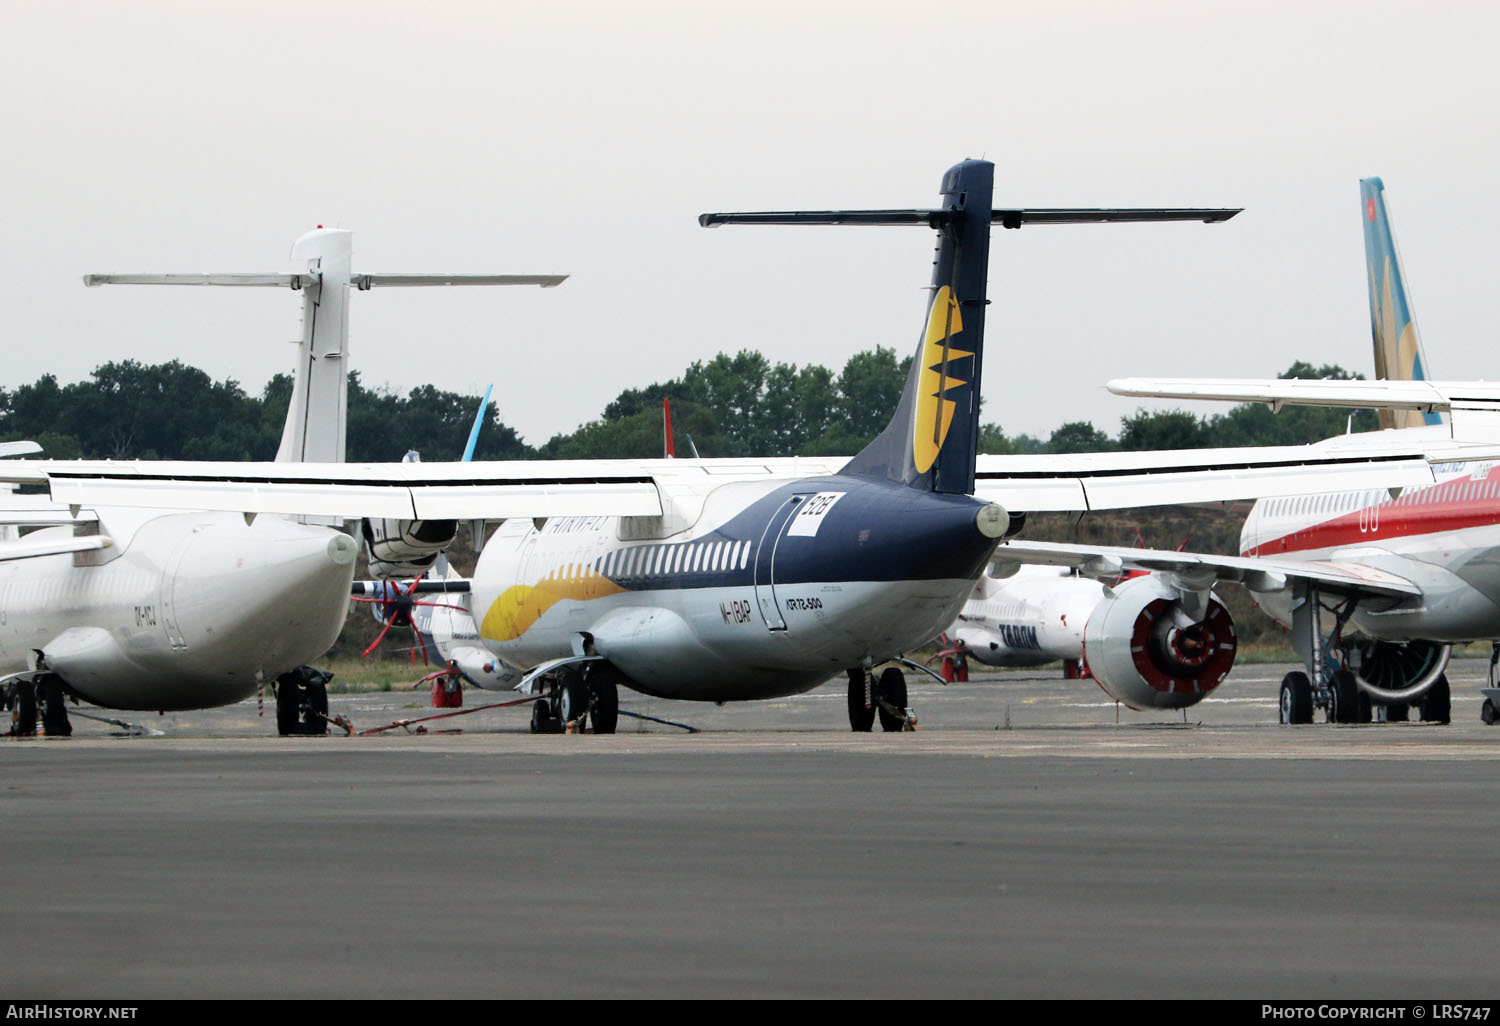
(1037, 613)
(722, 580)
(133, 608)
(1415, 568)
(1032, 617)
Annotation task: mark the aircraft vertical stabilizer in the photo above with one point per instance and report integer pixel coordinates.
(316, 417)
(316, 420)
(931, 441)
(1393, 327)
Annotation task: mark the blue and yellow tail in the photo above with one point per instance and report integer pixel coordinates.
(933, 439)
(1393, 328)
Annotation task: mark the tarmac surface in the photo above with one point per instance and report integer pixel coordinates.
(1021, 843)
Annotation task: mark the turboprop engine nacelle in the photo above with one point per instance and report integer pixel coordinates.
(1147, 651)
(483, 668)
(406, 548)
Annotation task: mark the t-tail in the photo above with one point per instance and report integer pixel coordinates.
(315, 428)
(932, 440)
(1393, 326)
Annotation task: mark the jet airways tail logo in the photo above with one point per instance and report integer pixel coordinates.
(934, 408)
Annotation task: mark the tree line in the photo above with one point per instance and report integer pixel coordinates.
(735, 406)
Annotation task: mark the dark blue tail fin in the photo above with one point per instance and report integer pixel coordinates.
(933, 438)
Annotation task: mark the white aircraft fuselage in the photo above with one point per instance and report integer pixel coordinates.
(186, 611)
(777, 587)
(1035, 616)
(1445, 538)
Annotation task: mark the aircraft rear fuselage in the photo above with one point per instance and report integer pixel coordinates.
(777, 587)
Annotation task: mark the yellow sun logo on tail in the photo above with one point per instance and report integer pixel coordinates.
(934, 408)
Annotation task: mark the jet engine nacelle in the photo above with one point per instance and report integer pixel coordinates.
(1146, 650)
(406, 548)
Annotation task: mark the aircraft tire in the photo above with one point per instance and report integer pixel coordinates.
(1296, 698)
(541, 717)
(1437, 703)
(1364, 711)
(1344, 693)
(606, 714)
(572, 701)
(1488, 714)
(315, 711)
(1397, 712)
(892, 691)
(24, 724)
(55, 722)
(287, 702)
(861, 720)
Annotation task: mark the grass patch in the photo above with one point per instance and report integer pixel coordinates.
(356, 676)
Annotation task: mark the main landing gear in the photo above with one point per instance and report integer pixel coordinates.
(589, 696)
(302, 702)
(882, 697)
(1391, 678)
(42, 698)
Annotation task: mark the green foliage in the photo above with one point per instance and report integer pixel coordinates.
(743, 405)
(733, 406)
(1080, 436)
(129, 410)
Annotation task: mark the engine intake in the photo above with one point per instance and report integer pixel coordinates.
(406, 548)
(1394, 672)
(1147, 651)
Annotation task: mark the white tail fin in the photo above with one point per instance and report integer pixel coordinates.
(316, 419)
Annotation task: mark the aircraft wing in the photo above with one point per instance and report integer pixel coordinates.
(1427, 396)
(1256, 572)
(1473, 407)
(1121, 480)
(549, 488)
(39, 511)
(418, 491)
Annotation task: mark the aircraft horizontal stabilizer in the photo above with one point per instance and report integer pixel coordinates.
(364, 282)
(307, 279)
(270, 279)
(1008, 218)
(1110, 215)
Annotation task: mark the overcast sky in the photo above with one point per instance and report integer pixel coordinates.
(585, 138)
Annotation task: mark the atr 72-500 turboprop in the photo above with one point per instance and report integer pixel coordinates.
(141, 609)
(722, 580)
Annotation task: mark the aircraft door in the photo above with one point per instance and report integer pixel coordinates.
(167, 597)
(765, 560)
